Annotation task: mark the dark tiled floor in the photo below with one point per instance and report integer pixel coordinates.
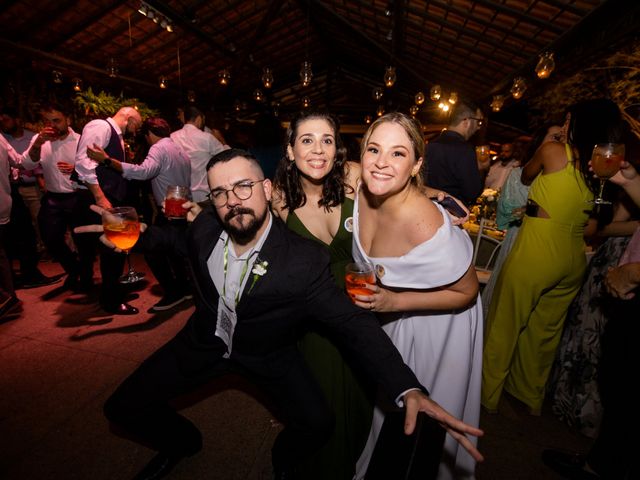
(61, 358)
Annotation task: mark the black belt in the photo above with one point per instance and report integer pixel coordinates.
(532, 209)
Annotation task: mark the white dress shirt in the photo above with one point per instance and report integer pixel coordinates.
(98, 132)
(51, 153)
(498, 174)
(166, 164)
(230, 281)
(199, 147)
(8, 156)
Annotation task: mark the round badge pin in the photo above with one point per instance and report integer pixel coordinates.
(348, 224)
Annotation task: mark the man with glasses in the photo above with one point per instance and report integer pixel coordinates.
(450, 160)
(256, 283)
(106, 188)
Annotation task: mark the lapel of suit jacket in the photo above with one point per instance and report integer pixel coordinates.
(204, 241)
(269, 253)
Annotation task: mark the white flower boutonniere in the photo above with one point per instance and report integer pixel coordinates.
(258, 270)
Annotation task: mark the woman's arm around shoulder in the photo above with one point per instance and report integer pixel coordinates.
(550, 157)
(277, 205)
(352, 171)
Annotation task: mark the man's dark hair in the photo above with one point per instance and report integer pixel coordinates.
(156, 125)
(55, 106)
(191, 113)
(228, 155)
(461, 110)
(9, 112)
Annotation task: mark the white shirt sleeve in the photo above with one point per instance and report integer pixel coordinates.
(14, 157)
(98, 132)
(148, 169)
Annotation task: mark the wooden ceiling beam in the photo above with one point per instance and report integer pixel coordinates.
(31, 52)
(73, 30)
(521, 16)
(481, 37)
(349, 27)
(188, 25)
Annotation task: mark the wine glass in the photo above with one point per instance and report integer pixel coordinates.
(122, 228)
(605, 162)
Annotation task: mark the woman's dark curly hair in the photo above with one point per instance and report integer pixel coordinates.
(591, 122)
(287, 178)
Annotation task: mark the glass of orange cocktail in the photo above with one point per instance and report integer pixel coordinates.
(357, 276)
(605, 162)
(122, 228)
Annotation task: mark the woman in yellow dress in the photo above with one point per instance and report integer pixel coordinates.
(545, 268)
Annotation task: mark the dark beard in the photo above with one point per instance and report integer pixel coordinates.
(243, 235)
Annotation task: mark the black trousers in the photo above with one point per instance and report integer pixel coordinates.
(169, 268)
(57, 215)
(141, 404)
(613, 453)
(6, 279)
(22, 240)
(111, 263)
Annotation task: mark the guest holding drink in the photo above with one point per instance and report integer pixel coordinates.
(168, 167)
(546, 265)
(426, 295)
(314, 196)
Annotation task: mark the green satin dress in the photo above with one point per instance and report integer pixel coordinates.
(348, 393)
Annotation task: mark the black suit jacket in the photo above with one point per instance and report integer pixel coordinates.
(297, 288)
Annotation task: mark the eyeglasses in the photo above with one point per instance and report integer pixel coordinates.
(479, 120)
(242, 190)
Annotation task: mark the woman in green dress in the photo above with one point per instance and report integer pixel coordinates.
(314, 188)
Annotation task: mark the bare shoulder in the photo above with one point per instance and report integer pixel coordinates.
(553, 156)
(277, 205)
(421, 219)
(352, 171)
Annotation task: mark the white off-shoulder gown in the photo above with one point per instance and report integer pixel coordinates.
(444, 349)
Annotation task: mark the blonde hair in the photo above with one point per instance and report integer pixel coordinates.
(412, 129)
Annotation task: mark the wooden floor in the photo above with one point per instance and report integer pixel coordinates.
(62, 357)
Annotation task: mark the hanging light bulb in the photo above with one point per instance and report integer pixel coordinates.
(275, 107)
(56, 76)
(77, 84)
(112, 68)
(367, 119)
(224, 77)
(518, 88)
(435, 93)
(162, 82)
(267, 77)
(377, 93)
(453, 98)
(306, 74)
(444, 107)
(380, 110)
(413, 110)
(258, 96)
(237, 106)
(390, 76)
(419, 98)
(545, 66)
(306, 102)
(497, 102)
(191, 96)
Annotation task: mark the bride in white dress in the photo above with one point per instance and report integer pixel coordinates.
(427, 294)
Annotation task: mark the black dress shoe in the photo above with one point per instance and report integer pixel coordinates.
(569, 465)
(159, 467)
(122, 309)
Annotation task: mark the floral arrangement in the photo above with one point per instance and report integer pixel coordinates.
(487, 203)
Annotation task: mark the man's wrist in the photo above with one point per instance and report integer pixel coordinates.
(107, 162)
